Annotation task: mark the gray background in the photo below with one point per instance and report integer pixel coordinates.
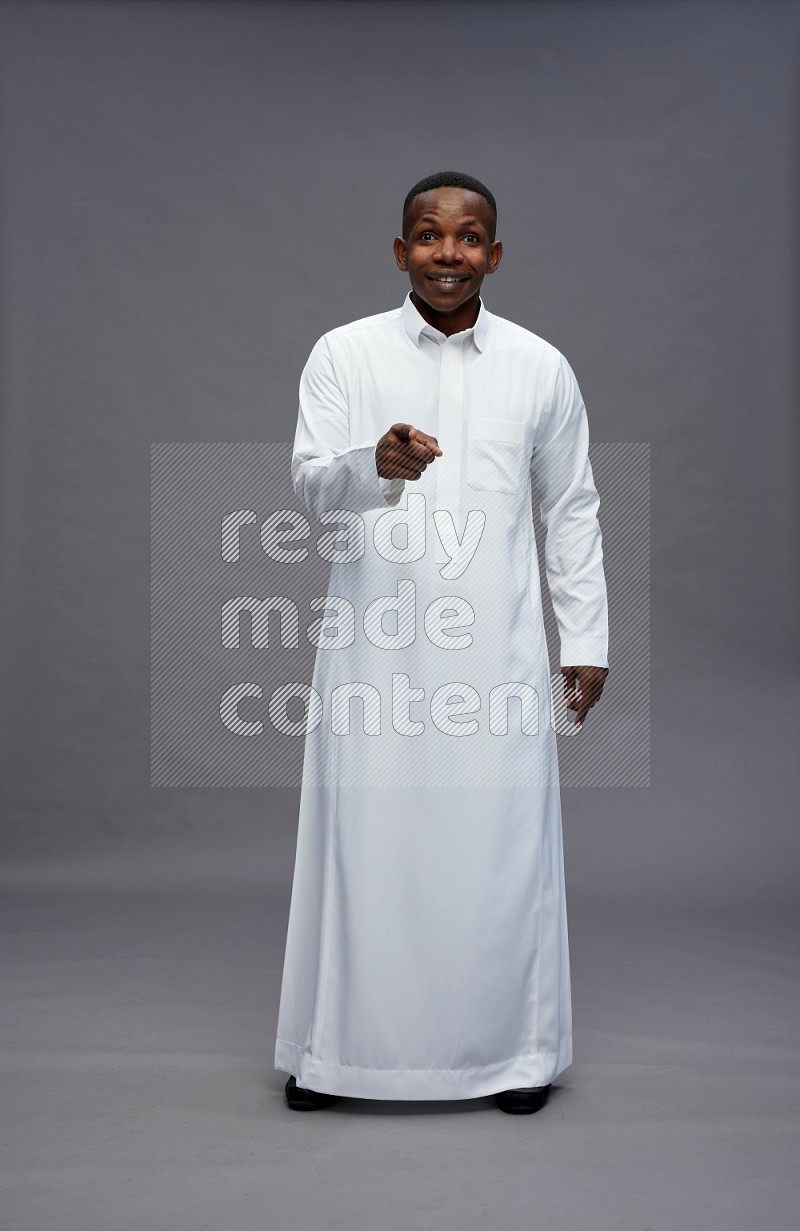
(192, 193)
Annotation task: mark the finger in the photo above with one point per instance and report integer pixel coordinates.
(400, 455)
(577, 700)
(591, 680)
(401, 468)
(405, 449)
(419, 453)
(418, 447)
(430, 441)
(570, 678)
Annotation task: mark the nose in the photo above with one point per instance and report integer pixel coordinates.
(448, 250)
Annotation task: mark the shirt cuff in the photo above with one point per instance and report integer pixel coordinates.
(584, 652)
(392, 489)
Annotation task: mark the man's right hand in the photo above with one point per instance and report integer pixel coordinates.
(404, 452)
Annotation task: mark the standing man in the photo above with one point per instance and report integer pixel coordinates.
(427, 953)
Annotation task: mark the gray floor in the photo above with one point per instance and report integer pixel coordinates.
(139, 1092)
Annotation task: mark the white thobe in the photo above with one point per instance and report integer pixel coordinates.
(427, 953)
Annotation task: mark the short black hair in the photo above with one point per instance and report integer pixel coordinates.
(451, 179)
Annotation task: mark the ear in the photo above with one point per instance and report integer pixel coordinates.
(495, 256)
(400, 253)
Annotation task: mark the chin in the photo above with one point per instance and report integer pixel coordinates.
(447, 306)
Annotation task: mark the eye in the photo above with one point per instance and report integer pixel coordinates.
(472, 235)
(426, 235)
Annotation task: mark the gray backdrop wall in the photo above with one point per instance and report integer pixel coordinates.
(194, 192)
(191, 194)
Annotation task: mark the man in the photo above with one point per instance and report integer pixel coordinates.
(427, 953)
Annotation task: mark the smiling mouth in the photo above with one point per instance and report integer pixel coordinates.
(447, 279)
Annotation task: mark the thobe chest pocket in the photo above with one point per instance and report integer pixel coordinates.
(495, 453)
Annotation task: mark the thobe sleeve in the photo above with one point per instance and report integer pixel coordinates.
(328, 472)
(568, 506)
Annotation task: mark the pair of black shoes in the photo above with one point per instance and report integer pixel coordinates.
(517, 1102)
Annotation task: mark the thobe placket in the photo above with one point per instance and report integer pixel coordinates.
(451, 426)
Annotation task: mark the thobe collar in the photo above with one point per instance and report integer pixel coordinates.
(416, 325)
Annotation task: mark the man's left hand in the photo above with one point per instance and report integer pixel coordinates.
(582, 689)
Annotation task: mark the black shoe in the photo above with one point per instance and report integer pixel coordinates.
(300, 1099)
(523, 1101)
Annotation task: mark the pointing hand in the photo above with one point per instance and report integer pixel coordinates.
(404, 452)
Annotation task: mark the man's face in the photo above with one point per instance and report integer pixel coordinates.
(448, 249)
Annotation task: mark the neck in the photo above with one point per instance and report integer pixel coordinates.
(449, 323)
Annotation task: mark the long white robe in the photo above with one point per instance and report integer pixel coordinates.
(427, 952)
